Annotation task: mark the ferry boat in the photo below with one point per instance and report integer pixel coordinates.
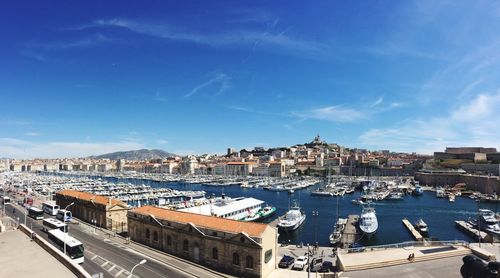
(292, 219)
(231, 208)
(368, 223)
(422, 226)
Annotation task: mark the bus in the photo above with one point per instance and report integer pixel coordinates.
(35, 213)
(51, 224)
(5, 200)
(64, 215)
(50, 208)
(74, 248)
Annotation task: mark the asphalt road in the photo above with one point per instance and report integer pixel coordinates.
(103, 255)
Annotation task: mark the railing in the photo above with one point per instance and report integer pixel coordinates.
(407, 244)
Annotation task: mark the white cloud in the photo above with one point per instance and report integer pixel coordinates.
(15, 148)
(32, 134)
(473, 124)
(377, 102)
(221, 81)
(161, 142)
(86, 41)
(336, 113)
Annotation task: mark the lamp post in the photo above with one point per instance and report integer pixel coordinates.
(141, 262)
(308, 266)
(315, 213)
(64, 220)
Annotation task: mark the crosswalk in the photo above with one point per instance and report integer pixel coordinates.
(113, 269)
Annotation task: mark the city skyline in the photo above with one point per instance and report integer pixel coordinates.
(90, 78)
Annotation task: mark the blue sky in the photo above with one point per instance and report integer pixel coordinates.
(83, 77)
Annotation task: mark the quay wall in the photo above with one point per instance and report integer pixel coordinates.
(483, 184)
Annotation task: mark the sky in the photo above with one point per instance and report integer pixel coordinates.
(80, 78)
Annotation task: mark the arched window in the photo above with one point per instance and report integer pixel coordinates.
(185, 245)
(249, 262)
(147, 234)
(215, 253)
(169, 240)
(236, 259)
(155, 236)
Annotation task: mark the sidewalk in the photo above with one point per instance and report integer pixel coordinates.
(22, 257)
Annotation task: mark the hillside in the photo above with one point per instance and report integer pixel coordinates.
(135, 155)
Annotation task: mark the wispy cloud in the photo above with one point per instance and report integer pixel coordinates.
(377, 102)
(92, 40)
(34, 55)
(337, 113)
(158, 96)
(32, 134)
(397, 49)
(277, 42)
(161, 142)
(476, 123)
(221, 82)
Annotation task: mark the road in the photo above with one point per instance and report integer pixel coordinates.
(105, 256)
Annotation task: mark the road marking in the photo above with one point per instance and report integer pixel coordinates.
(119, 272)
(95, 256)
(111, 268)
(105, 263)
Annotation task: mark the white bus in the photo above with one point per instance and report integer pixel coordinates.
(5, 200)
(51, 224)
(64, 215)
(35, 213)
(74, 248)
(50, 208)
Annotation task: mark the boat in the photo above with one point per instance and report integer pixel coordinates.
(291, 191)
(321, 192)
(488, 222)
(395, 196)
(267, 211)
(292, 219)
(418, 191)
(358, 201)
(252, 216)
(339, 228)
(451, 198)
(440, 192)
(368, 223)
(421, 226)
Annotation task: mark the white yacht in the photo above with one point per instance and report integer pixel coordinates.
(292, 219)
(368, 221)
(488, 222)
(422, 226)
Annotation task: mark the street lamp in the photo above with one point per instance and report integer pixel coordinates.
(141, 262)
(315, 213)
(64, 220)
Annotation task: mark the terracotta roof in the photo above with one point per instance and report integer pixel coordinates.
(88, 197)
(204, 221)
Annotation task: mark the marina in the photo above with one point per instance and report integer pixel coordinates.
(442, 214)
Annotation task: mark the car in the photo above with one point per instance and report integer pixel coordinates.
(315, 264)
(286, 261)
(326, 266)
(300, 263)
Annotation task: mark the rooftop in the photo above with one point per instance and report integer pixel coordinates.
(204, 221)
(90, 197)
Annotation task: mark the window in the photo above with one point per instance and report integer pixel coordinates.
(242, 239)
(214, 233)
(215, 253)
(268, 255)
(169, 240)
(249, 262)
(155, 236)
(147, 234)
(185, 245)
(236, 259)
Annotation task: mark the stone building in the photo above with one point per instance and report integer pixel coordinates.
(106, 212)
(244, 249)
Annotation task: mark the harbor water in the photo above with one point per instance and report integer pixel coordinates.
(438, 213)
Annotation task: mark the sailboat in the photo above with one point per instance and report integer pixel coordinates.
(339, 227)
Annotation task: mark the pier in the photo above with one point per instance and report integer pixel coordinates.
(351, 232)
(415, 234)
(470, 230)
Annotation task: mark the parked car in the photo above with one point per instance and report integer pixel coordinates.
(300, 263)
(315, 264)
(326, 266)
(286, 261)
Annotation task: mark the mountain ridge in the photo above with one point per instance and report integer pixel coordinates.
(142, 154)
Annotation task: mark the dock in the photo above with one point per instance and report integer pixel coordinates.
(414, 233)
(470, 230)
(351, 232)
(274, 223)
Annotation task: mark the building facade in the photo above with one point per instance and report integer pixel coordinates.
(95, 209)
(244, 249)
